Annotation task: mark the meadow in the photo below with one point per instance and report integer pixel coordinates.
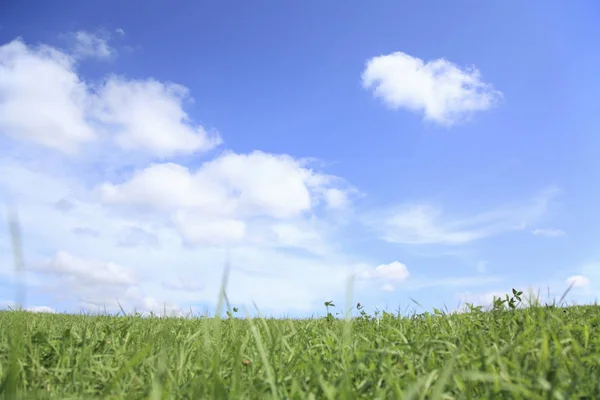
(510, 351)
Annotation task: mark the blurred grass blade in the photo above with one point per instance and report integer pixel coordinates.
(17, 247)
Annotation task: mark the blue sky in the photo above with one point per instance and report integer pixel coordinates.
(443, 153)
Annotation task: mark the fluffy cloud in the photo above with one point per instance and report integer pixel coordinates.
(444, 92)
(393, 272)
(255, 184)
(148, 115)
(271, 217)
(232, 198)
(44, 101)
(136, 258)
(425, 224)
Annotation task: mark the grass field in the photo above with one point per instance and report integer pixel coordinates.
(536, 352)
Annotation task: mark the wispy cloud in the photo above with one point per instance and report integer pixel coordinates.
(445, 93)
(425, 224)
(232, 199)
(548, 232)
(90, 45)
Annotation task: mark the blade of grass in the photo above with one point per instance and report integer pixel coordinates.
(263, 356)
(9, 384)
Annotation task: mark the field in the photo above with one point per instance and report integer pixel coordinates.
(536, 352)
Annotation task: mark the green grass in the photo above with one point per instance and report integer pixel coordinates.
(538, 352)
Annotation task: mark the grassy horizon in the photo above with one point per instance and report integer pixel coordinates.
(507, 352)
(538, 352)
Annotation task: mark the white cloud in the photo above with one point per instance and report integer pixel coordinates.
(578, 281)
(230, 199)
(121, 244)
(35, 309)
(548, 232)
(444, 92)
(266, 184)
(263, 267)
(394, 271)
(90, 45)
(96, 285)
(41, 309)
(252, 185)
(148, 115)
(82, 272)
(425, 224)
(336, 198)
(44, 101)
